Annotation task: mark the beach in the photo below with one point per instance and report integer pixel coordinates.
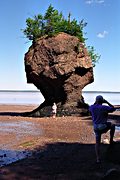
(59, 148)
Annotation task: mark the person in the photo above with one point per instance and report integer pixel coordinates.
(99, 113)
(54, 110)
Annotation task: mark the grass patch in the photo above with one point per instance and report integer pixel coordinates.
(27, 144)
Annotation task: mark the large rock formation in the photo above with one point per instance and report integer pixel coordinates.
(60, 68)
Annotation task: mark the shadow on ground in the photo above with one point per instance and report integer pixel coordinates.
(11, 114)
(63, 161)
(114, 117)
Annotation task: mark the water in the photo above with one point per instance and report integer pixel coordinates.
(10, 156)
(112, 97)
(117, 128)
(21, 97)
(20, 128)
(35, 97)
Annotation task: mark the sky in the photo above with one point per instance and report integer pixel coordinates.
(102, 32)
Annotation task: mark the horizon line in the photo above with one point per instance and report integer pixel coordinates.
(7, 90)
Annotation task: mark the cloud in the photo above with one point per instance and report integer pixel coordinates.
(89, 1)
(94, 1)
(102, 34)
(99, 1)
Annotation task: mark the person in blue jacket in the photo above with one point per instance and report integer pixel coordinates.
(99, 113)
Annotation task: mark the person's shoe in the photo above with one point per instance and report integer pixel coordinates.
(112, 143)
(98, 161)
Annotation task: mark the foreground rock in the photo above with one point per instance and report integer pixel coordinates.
(60, 68)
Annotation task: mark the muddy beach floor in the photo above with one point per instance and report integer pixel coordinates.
(57, 149)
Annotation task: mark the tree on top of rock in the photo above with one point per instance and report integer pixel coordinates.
(53, 23)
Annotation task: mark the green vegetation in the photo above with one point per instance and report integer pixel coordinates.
(94, 56)
(27, 144)
(54, 22)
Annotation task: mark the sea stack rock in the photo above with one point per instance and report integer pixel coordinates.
(60, 67)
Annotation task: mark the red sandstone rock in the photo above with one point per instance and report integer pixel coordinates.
(60, 68)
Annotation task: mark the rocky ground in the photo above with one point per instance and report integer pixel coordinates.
(60, 148)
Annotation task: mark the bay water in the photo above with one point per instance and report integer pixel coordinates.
(35, 97)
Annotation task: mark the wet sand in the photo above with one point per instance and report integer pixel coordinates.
(60, 148)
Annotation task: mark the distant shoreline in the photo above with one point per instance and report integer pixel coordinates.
(39, 91)
(35, 97)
